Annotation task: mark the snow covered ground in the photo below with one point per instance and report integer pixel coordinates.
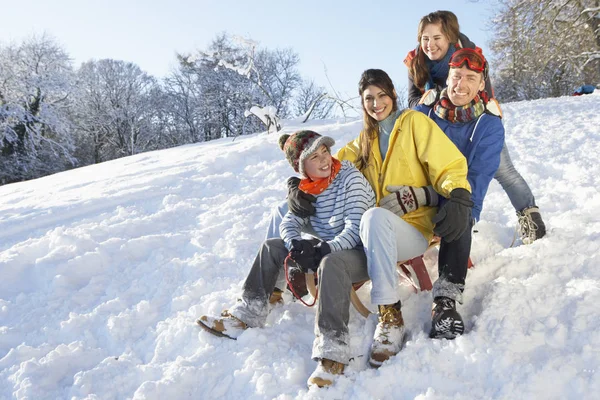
(105, 268)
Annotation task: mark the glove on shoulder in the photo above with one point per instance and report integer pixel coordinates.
(299, 202)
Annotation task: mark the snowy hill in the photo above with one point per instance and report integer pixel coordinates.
(105, 268)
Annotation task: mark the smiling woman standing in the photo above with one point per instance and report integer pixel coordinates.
(439, 37)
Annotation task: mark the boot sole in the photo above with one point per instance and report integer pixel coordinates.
(320, 382)
(375, 363)
(445, 335)
(211, 330)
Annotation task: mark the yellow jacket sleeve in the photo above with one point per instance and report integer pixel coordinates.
(445, 164)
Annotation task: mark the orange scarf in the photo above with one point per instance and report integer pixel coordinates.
(309, 186)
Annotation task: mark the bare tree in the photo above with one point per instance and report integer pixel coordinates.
(262, 78)
(113, 112)
(313, 100)
(182, 107)
(545, 48)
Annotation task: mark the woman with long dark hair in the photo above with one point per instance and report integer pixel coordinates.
(401, 148)
(406, 149)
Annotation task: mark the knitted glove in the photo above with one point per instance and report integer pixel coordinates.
(405, 199)
(299, 202)
(454, 218)
(303, 252)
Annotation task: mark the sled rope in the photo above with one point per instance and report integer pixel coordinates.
(289, 283)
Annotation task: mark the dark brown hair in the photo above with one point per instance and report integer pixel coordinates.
(449, 25)
(379, 78)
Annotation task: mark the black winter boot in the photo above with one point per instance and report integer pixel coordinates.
(446, 322)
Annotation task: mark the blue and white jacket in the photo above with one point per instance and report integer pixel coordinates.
(339, 209)
(481, 142)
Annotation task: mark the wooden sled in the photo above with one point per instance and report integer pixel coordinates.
(413, 270)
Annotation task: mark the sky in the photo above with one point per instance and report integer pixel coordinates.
(336, 40)
(106, 268)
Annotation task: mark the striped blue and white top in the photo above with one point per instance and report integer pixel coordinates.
(338, 211)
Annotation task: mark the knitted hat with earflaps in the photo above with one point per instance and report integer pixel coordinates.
(300, 145)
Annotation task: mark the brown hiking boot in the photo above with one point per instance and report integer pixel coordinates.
(389, 335)
(276, 297)
(228, 326)
(325, 373)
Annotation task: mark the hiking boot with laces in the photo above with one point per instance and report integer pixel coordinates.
(276, 297)
(531, 226)
(446, 322)
(326, 373)
(389, 335)
(227, 326)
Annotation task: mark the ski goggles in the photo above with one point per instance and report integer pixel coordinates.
(473, 58)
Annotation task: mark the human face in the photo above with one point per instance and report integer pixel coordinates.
(433, 42)
(377, 103)
(318, 164)
(463, 85)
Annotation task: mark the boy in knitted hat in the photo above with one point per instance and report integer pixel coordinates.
(342, 196)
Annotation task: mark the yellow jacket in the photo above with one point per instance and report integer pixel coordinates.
(419, 154)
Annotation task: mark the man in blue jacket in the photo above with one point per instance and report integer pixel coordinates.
(472, 121)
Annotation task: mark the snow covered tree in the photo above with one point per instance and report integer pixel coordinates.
(221, 94)
(114, 110)
(545, 48)
(180, 114)
(276, 74)
(166, 132)
(36, 83)
(234, 76)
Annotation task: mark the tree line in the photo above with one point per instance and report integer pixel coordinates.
(55, 117)
(545, 48)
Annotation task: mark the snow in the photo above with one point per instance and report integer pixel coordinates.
(105, 269)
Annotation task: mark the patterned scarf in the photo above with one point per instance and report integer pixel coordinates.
(448, 111)
(309, 186)
(438, 70)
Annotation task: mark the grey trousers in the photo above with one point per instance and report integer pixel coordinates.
(336, 274)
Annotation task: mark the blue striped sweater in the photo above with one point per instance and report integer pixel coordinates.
(338, 211)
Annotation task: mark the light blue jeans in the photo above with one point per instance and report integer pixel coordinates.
(512, 182)
(388, 239)
(277, 214)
